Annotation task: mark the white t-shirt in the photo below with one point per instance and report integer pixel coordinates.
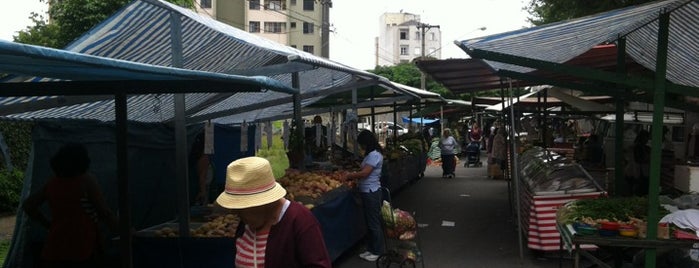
(447, 145)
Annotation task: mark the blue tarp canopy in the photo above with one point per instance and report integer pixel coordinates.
(419, 120)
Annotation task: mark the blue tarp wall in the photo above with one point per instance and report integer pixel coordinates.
(152, 185)
(417, 120)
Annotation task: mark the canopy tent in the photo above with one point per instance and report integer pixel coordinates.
(473, 75)
(70, 74)
(659, 35)
(162, 34)
(555, 97)
(419, 120)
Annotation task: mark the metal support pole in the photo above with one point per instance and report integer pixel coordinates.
(298, 121)
(619, 181)
(515, 174)
(180, 132)
(657, 134)
(122, 149)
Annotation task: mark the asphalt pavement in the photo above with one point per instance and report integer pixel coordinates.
(484, 233)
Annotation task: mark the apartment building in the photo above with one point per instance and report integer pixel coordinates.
(302, 24)
(400, 39)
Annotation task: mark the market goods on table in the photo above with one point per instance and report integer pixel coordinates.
(610, 216)
(308, 187)
(217, 226)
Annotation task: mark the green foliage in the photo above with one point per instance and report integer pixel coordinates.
(4, 248)
(10, 189)
(276, 155)
(408, 74)
(72, 18)
(548, 11)
(40, 33)
(18, 137)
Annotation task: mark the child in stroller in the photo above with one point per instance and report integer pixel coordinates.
(473, 154)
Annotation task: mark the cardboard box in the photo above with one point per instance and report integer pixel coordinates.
(494, 171)
(663, 230)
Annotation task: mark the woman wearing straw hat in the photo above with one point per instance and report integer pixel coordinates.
(369, 186)
(274, 232)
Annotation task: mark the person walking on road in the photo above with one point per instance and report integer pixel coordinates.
(499, 149)
(447, 145)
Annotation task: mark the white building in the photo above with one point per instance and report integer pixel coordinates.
(296, 23)
(400, 39)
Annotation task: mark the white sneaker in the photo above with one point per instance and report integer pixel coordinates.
(364, 254)
(371, 257)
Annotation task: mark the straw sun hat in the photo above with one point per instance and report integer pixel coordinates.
(250, 183)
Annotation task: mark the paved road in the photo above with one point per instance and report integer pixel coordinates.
(484, 233)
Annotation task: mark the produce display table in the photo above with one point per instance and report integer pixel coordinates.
(576, 244)
(342, 222)
(397, 173)
(340, 216)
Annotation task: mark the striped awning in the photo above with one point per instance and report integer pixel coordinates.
(151, 32)
(562, 41)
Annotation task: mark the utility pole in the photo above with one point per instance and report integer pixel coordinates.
(325, 29)
(424, 27)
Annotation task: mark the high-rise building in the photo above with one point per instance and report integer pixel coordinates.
(302, 24)
(400, 39)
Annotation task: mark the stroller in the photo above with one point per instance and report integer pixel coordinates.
(473, 154)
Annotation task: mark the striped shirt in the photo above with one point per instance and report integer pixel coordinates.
(250, 249)
(251, 246)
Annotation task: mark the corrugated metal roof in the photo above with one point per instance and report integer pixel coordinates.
(560, 42)
(141, 32)
(470, 75)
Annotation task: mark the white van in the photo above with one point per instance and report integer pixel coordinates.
(635, 122)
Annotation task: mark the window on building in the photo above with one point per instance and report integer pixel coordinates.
(275, 27)
(254, 4)
(293, 2)
(416, 51)
(254, 27)
(276, 4)
(294, 46)
(292, 25)
(308, 5)
(308, 49)
(403, 34)
(308, 27)
(433, 37)
(404, 50)
(205, 3)
(417, 35)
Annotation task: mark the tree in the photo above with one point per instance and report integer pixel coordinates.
(548, 11)
(408, 74)
(69, 19)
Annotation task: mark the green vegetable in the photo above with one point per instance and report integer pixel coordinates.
(612, 209)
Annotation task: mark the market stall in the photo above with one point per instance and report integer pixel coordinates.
(548, 181)
(619, 225)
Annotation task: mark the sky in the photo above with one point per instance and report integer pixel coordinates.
(355, 23)
(14, 16)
